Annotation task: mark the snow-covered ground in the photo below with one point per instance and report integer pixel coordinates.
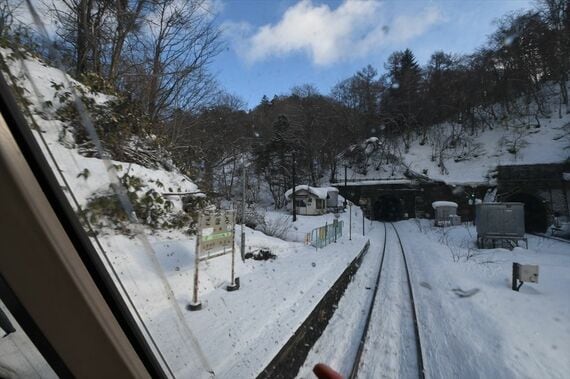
(338, 344)
(495, 333)
(237, 332)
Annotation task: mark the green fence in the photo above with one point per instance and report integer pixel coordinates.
(321, 237)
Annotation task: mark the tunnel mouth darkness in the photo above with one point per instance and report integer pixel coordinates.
(535, 213)
(388, 208)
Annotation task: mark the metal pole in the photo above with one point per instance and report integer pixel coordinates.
(345, 190)
(294, 197)
(363, 227)
(233, 249)
(195, 304)
(242, 245)
(350, 226)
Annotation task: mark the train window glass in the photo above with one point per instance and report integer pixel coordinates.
(19, 358)
(177, 131)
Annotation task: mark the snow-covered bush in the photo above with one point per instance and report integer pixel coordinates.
(252, 217)
(150, 207)
(121, 124)
(278, 227)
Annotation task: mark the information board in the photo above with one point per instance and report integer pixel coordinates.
(216, 231)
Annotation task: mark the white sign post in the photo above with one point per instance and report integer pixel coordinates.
(195, 304)
(234, 283)
(216, 233)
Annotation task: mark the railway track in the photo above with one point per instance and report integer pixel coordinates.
(390, 344)
(543, 235)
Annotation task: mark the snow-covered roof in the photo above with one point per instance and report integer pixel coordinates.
(372, 140)
(437, 204)
(320, 192)
(377, 182)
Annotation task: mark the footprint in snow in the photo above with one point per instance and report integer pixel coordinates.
(462, 293)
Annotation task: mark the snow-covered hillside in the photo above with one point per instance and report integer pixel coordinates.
(46, 90)
(454, 156)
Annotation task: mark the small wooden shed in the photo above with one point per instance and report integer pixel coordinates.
(312, 201)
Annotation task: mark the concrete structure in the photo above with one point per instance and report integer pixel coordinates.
(312, 201)
(543, 188)
(408, 196)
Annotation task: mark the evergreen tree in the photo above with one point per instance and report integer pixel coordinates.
(401, 104)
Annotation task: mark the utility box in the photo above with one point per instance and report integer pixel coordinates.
(524, 274)
(499, 222)
(528, 273)
(500, 219)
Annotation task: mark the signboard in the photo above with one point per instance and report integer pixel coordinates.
(216, 233)
(215, 237)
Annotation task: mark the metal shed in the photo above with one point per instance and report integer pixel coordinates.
(500, 222)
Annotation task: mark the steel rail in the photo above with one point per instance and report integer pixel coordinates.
(355, 366)
(554, 238)
(420, 357)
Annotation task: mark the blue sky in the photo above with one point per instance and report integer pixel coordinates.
(271, 46)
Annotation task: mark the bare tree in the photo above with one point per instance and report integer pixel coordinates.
(7, 9)
(127, 16)
(176, 44)
(556, 13)
(83, 26)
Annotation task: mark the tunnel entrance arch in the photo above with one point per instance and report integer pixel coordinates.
(535, 212)
(388, 208)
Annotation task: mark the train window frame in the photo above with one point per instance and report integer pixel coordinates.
(18, 129)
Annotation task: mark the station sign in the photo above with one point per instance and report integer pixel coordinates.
(216, 233)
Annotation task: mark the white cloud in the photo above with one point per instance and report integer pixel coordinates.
(353, 29)
(403, 28)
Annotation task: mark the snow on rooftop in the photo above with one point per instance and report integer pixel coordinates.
(372, 140)
(320, 192)
(376, 182)
(437, 204)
